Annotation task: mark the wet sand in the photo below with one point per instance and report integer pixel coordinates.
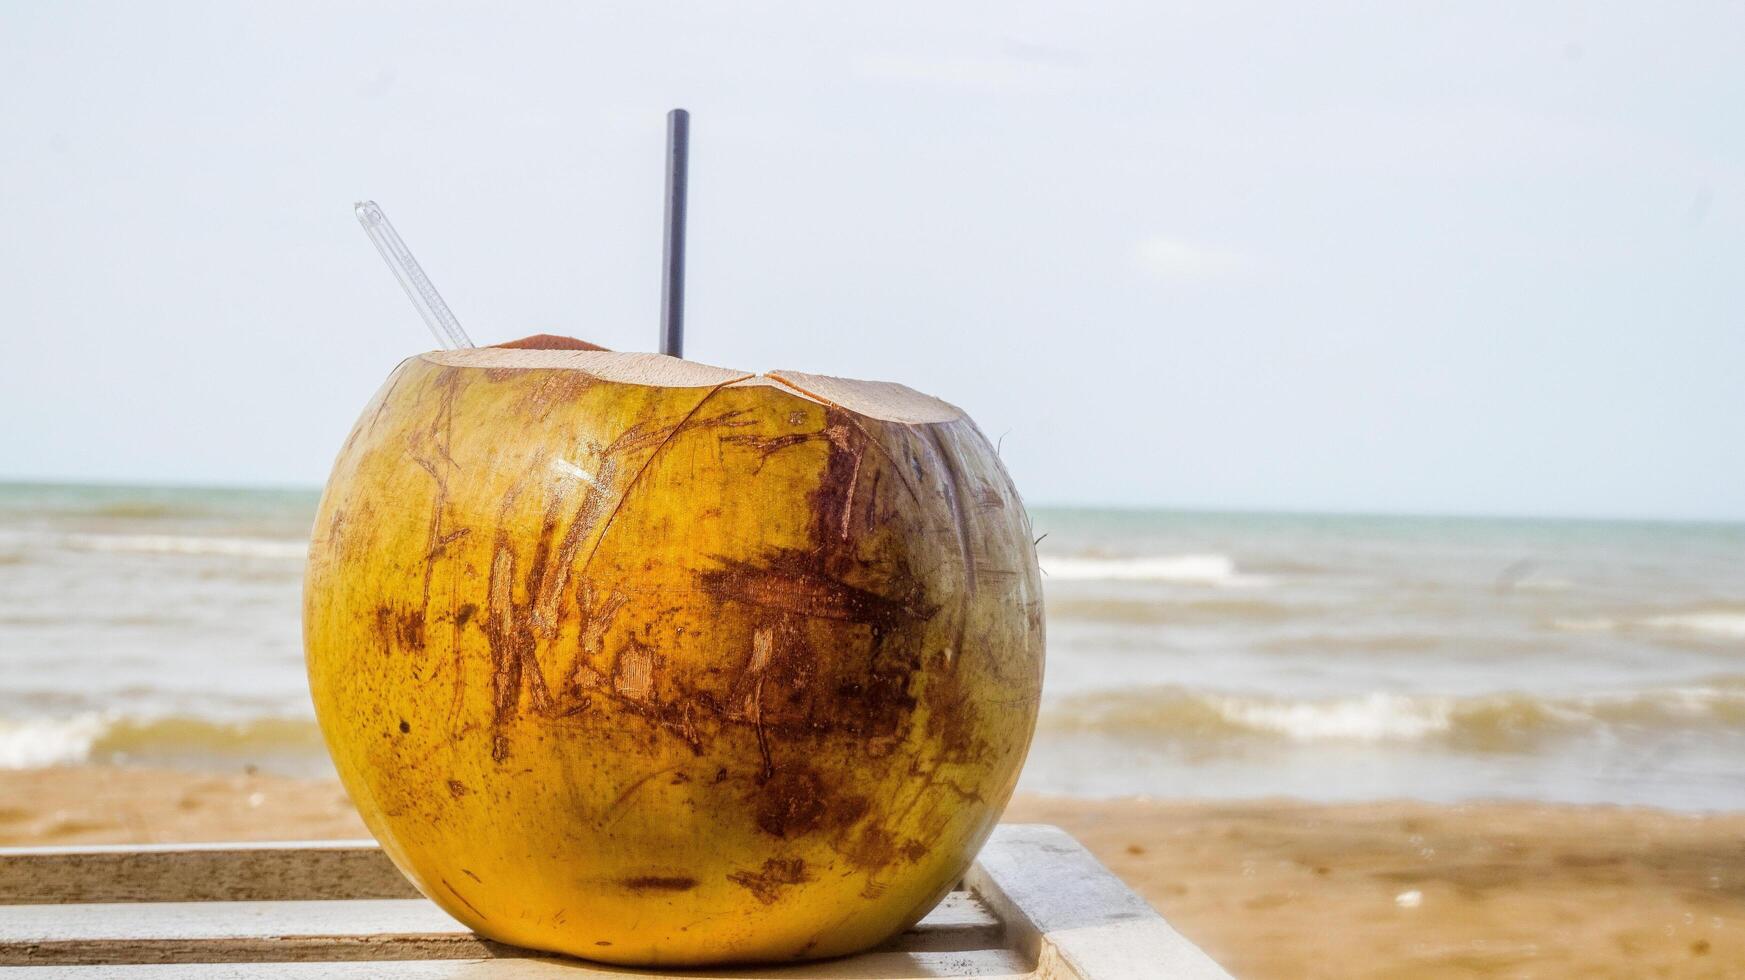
(1270, 888)
(1400, 889)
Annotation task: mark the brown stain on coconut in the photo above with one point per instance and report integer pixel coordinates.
(796, 801)
(777, 874)
(658, 883)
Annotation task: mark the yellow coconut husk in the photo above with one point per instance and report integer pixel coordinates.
(657, 663)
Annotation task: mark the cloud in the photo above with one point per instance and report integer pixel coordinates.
(1174, 260)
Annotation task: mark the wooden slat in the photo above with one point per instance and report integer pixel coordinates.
(1042, 908)
(1067, 914)
(276, 872)
(991, 964)
(187, 932)
(356, 929)
(960, 922)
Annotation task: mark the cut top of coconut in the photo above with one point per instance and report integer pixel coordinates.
(655, 370)
(883, 400)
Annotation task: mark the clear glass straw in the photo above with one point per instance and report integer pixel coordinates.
(412, 278)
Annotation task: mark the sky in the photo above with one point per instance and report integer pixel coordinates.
(1442, 258)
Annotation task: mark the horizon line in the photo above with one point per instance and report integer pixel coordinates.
(1103, 507)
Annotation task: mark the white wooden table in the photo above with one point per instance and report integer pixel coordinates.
(1035, 905)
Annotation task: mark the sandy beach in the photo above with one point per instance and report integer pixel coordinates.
(1270, 888)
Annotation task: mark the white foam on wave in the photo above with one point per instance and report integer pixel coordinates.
(1370, 718)
(1531, 584)
(1588, 624)
(1378, 716)
(1188, 569)
(1729, 625)
(40, 742)
(34, 743)
(184, 544)
(1709, 624)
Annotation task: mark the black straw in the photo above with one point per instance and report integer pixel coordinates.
(672, 279)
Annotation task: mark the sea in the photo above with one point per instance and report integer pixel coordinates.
(1190, 654)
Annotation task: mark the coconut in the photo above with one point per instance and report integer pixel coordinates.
(651, 662)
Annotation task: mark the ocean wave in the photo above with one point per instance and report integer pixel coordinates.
(139, 509)
(1187, 569)
(85, 618)
(1480, 722)
(41, 742)
(1383, 642)
(1150, 611)
(1543, 585)
(187, 544)
(1729, 625)
(1714, 624)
